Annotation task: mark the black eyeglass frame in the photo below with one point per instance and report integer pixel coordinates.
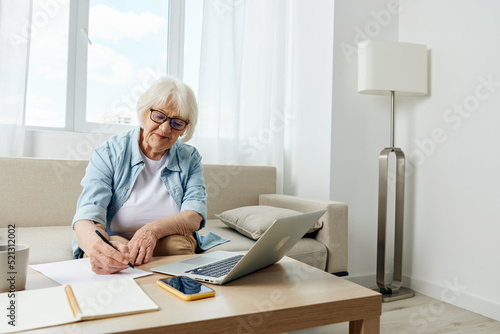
(167, 118)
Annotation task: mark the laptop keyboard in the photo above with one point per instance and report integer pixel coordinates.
(216, 269)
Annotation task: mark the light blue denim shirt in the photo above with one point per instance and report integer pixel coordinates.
(113, 169)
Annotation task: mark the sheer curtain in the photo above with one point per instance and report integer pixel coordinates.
(242, 90)
(15, 19)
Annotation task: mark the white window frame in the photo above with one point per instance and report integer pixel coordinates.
(78, 41)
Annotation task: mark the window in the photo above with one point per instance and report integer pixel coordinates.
(192, 43)
(90, 60)
(47, 76)
(127, 45)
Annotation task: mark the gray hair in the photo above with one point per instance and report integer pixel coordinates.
(174, 94)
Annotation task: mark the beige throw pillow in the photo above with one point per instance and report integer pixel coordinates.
(253, 221)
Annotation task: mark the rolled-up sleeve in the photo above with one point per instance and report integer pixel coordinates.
(97, 189)
(195, 196)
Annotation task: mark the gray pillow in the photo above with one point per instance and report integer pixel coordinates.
(253, 221)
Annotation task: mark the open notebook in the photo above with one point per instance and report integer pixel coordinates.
(72, 303)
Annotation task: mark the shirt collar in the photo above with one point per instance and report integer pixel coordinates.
(136, 151)
(172, 162)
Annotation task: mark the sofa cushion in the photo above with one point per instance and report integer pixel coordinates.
(39, 192)
(47, 244)
(307, 250)
(253, 221)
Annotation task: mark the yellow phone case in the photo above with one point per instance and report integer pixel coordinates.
(184, 296)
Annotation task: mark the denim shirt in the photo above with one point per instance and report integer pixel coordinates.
(113, 169)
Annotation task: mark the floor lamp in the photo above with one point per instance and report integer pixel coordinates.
(387, 68)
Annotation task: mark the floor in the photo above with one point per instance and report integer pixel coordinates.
(421, 314)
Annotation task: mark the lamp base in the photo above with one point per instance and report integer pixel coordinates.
(403, 293)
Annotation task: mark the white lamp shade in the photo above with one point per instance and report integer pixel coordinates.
(385, 66)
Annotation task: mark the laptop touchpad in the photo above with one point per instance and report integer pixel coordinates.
(198, 260)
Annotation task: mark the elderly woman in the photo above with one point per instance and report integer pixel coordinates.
(143, 189)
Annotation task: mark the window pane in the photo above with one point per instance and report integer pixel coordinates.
(46, 92)
(128, 51)
(192, 43)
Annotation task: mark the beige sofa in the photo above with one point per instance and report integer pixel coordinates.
(39, 197)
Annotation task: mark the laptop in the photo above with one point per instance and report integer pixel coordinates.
(275, 243)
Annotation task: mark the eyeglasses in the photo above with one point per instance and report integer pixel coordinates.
(175, 123)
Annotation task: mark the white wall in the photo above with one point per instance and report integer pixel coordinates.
(360, 128)
(456, 184)
(450, 139)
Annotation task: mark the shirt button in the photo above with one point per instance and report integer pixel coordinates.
(127, 187)
(112, 208)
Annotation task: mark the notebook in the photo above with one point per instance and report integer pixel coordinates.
(275, 243)
(72, 303)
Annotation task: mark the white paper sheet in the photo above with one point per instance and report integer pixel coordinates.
(79, 270)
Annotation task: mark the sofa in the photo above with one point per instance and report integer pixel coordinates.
(38, 199)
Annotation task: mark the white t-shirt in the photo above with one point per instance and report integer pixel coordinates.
(149, 200)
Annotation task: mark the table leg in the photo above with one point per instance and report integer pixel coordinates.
(365, 326)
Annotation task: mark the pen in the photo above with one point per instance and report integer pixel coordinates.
(109, 243)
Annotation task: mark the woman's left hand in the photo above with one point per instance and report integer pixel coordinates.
(141, 245)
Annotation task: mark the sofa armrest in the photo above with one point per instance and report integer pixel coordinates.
(333, 234)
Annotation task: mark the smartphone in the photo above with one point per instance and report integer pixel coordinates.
(186, 288)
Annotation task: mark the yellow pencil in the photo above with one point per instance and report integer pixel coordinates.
(72, 301)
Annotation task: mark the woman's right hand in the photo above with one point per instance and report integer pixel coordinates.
(104, 259)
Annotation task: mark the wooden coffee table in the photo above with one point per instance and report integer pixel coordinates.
(287, 296)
